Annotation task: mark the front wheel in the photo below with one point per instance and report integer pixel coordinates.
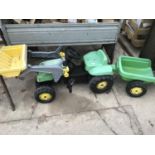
(45, 94)
(101, 84)
(136, 89)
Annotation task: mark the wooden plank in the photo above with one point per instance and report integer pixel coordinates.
(18, 21)
(32, 21)
(138, 36)
(128, 46)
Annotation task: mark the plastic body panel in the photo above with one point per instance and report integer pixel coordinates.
(13, 60)
(96, 63)
(43, 77)
(132, 68)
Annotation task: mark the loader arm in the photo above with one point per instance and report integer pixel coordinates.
(56, 71)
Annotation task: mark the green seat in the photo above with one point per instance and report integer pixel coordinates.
(95, 59)
(96, 63)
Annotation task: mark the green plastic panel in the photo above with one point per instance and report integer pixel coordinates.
(101, 70)
(94, 59)
(96, 63)
(132, 68)
(43, 77)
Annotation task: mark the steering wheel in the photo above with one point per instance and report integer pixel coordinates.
(72, 54)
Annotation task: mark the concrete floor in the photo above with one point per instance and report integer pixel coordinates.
(81, 112)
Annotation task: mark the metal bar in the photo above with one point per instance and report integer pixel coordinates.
(43, 55)
(8, 94)
(67, 44)
(6, 42)
(62, 25)
(4, 33)
(62, 34)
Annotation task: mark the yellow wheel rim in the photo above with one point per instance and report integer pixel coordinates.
(45, 96)
(102, 85)
(136, 91)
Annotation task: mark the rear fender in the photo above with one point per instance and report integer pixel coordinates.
(44, 77)
(101, 70)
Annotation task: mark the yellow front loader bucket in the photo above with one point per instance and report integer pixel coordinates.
(13, 60)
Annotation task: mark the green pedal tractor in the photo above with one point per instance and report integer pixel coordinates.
(70, 67)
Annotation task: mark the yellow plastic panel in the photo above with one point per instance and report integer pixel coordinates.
(13, 60)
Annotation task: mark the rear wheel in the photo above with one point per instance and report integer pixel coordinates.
(136, 89)
(44, 94)
(101, 84)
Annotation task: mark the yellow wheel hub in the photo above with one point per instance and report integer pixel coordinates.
(66, 72)
(102, 85)
(62, 54)
(136, 91)
(45, 96)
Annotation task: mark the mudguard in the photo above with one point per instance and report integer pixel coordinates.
(101, 70)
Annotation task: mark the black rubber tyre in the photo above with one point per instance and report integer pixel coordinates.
(47, 83)
(136, 88)
(101, 84)
(44, 94)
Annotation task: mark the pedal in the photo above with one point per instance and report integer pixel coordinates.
(70, 84)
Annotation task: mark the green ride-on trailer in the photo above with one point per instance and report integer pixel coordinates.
(67, 65)
(137, 72)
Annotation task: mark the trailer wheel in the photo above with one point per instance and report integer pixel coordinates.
(44, 94)
(136, 88)
(101, 84)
